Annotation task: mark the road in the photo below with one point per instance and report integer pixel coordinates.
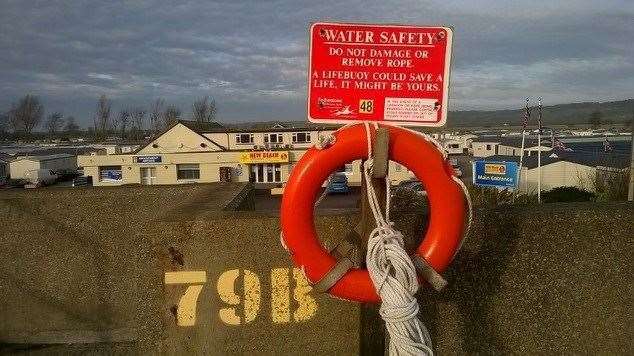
(264, 201)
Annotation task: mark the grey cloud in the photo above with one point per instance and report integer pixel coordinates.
(251, 55)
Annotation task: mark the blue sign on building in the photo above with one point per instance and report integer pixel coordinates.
(495, 174)
(148, 159)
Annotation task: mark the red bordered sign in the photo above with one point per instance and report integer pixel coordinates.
(387, 73)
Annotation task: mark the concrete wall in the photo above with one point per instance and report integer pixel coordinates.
(90, 265)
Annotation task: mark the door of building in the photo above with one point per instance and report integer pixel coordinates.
(265, 173)
(148, 174)
(225, 174)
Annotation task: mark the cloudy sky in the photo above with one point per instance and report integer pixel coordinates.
(251, 55)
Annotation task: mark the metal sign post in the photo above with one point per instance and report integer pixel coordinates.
(373, 334)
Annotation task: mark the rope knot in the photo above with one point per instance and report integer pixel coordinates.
(324, 141)
(394, 276)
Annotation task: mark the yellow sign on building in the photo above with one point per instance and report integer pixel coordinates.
(264, 157)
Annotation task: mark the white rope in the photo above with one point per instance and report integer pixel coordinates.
(394, 276)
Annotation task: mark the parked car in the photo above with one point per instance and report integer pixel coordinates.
(338, 184)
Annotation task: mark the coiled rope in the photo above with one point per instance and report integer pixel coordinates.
(394, 276)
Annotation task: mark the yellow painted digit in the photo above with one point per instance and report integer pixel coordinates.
(307, 304)
(226, 291)
(186, 309)
(251, 298)
(280, 299)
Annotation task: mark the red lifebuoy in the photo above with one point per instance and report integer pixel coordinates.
(446, 217)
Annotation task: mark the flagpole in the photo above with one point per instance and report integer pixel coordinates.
(539, 154)
(630, 189)
(539, 167)
(519, 171)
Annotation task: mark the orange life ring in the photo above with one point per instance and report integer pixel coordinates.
(447, 206)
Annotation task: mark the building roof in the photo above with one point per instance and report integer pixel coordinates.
(44, 157)
(201, 127)
(269, 127)
(589, 159)
(513, 141)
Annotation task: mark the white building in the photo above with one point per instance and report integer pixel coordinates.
(457, 144)
(507, 146)
(192, 153)
(20, 166)
(563, 169)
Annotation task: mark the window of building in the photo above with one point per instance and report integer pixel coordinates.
(244, 139)
(488, 147)
(454, 145)
(110, 174)
(187, 171)
(349, 167)
(397, 167)
(301, 137)
(273, 138)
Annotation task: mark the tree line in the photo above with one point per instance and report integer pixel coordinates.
(27, 114)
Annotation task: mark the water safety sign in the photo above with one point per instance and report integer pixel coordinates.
(495, 174)
(388, 73)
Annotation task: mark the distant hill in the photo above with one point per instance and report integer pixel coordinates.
(562, 114)
(575, 113)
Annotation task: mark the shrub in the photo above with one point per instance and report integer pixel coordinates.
(566, 194)
(489, 196)
(611, 184)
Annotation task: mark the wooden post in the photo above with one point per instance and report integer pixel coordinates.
(372, 334)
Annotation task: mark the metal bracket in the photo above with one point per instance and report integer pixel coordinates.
(343, 252)
(380, 159)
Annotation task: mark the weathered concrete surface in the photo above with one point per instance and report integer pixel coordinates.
(549, 281)
(553, 280)
(84, 261)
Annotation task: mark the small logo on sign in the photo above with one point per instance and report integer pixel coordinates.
(496, 169)
(344, 111)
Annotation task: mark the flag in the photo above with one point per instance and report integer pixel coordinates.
(560, 146)
(527, 115)
(607, 147)
(539, 117)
